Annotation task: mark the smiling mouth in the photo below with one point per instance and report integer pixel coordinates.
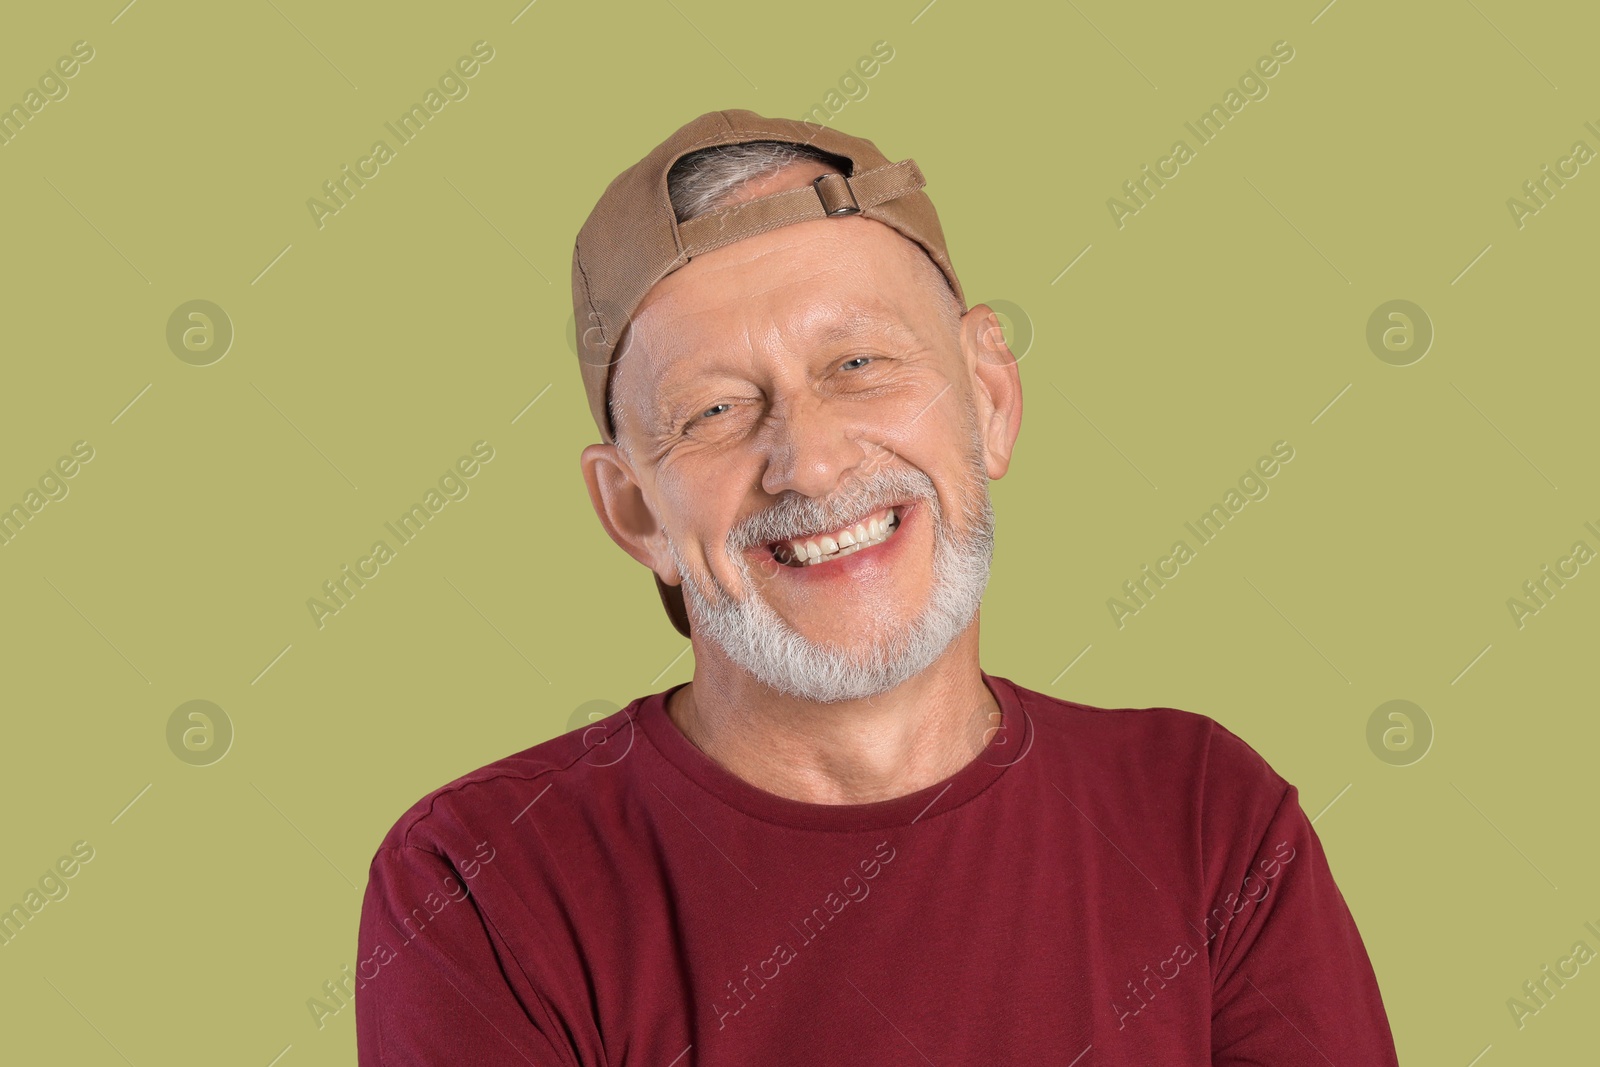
(813, 549)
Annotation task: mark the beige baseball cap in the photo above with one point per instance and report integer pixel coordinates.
(632, 239)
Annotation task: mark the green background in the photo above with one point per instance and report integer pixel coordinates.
(369, 354)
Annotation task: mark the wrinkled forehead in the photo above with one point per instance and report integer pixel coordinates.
(806, 285)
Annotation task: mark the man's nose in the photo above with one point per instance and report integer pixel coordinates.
(811, 445)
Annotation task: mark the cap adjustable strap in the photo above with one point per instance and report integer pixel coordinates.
(829, 195)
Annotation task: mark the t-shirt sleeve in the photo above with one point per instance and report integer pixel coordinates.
(1291, 980)
(435, 983)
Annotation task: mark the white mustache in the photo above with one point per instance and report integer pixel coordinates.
(802, 516)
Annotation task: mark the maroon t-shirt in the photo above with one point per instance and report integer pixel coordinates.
(1132, 886)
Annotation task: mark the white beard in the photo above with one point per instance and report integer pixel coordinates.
(757, 640)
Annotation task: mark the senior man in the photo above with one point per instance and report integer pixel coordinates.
(842, 842)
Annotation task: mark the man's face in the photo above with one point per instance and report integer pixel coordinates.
(785, 387)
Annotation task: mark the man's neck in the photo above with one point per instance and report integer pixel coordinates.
(853, 752)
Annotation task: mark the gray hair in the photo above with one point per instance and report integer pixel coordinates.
(711, 178)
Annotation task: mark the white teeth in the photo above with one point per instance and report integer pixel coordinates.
(865, 534)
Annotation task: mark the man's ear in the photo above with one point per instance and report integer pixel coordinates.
(997, 387)
(620, 503)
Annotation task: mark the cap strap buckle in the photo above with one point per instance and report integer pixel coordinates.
(837, 197)
(831, 195)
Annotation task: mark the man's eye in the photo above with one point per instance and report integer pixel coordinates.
(858, 359)
(712, 410)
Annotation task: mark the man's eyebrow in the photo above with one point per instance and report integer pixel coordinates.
(864, 322)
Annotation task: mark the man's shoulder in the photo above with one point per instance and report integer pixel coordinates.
(497, 795)
(1158, 742)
